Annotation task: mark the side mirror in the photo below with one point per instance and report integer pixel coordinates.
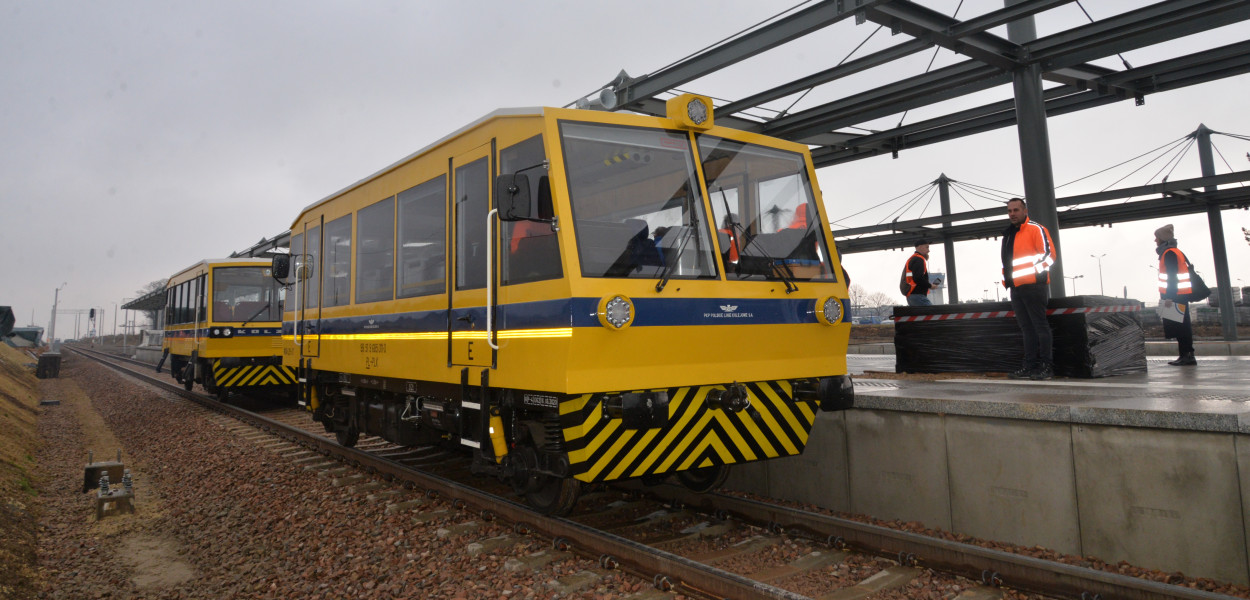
(512, 197)
(281, 267)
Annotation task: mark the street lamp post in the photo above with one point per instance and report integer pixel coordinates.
(125, 325)
(56, 298)
(1073, 278)
(1100, 288)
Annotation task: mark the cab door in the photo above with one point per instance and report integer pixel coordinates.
(472, 173)
(308, 288)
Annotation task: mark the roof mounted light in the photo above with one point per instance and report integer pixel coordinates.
(690, 111)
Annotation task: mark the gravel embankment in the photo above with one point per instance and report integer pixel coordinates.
(220, 517)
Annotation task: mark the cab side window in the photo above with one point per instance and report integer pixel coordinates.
(530, 249)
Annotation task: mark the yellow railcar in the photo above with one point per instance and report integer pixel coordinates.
(223, 328)
(577, 297)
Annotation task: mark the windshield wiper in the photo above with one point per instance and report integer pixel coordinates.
(681, 247)
(687, 233)
(262, 309)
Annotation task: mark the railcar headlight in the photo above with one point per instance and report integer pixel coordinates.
(616, 312)
(697, 111)
(690, 111)
(830, 311)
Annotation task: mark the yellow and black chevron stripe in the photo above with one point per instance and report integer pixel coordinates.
(252, 375)
(697, 435)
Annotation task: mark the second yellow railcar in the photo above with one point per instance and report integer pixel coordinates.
(223, 328)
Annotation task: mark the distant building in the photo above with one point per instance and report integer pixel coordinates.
(25, 337)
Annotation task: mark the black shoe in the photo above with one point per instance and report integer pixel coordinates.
(1021, 373)
(1043, 372)
(1186, 360)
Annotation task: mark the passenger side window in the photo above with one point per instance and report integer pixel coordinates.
(336, 274)
(422, 240)
(530, 249)
(375, 252)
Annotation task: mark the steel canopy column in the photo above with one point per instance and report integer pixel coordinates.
(1039, 182)
(944, 197)
(1228, 312)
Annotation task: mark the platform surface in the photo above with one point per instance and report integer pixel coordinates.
(1212, 396)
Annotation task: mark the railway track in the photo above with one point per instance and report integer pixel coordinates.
(676, 539)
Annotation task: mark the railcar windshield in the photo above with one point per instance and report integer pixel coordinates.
(245, 294)
(765, 211)
(637, 207)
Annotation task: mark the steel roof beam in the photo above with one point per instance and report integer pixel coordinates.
(1146, 26)
(929, 25)
(855, 66)
(948, 82)
(1169, 19)
(1180, 188)
(1081, 217)
(1004, 15)
(1217, 63)
(733, 51)
(955, 31)
(926, 24)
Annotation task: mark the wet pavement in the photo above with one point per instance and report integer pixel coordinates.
(1212, 396)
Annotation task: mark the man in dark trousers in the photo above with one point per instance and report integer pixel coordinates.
(1027, 256)
(1175, 286)
(916, 274)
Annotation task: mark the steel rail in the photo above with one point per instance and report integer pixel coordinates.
(665, 569)
(992, 567)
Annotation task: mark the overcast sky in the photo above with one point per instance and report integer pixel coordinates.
(139, 137)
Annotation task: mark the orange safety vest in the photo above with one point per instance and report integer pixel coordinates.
(733, 244)
(800, 218)
(1183, 285)
(1032, 254)
(907, 271)
(527, 229)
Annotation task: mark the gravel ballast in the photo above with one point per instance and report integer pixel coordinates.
(219, 516)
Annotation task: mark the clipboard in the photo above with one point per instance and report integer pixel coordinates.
(1175, 312)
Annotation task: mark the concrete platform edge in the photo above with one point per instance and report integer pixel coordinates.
(1153, 348)
(1080, 488)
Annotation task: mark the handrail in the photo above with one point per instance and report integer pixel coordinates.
(490, 278)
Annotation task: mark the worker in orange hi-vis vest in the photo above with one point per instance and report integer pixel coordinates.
(1028, 254)
(1175, 289)
(916, 275)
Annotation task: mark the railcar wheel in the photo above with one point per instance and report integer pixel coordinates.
(554, 495)
(188, 377)
(347, 437)
(704, 480)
